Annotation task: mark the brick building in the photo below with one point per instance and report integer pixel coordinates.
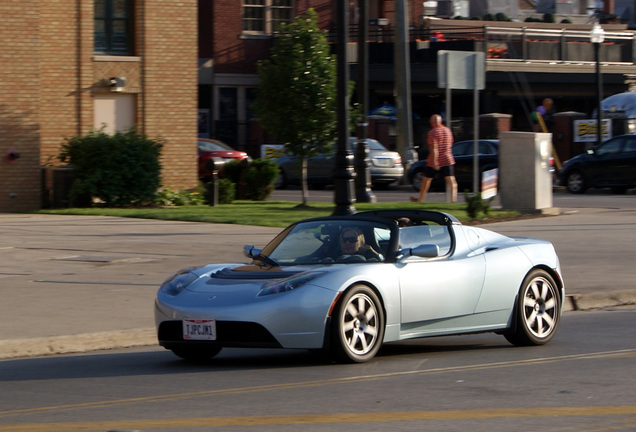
(73, 65)
(234, 35)
(524, 63)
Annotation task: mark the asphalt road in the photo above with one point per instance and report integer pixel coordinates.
(582, 380)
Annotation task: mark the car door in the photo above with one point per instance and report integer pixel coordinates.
(608, 165)
(320, 168)
(434, 291)
(629, 154)
(463, 154)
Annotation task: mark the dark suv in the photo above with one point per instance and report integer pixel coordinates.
(611, 164)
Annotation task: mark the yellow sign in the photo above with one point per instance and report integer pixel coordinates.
(585, 130)
(272, 151)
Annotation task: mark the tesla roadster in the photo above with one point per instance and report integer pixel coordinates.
(345, 285)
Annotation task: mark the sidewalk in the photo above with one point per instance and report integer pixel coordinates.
(82, 283)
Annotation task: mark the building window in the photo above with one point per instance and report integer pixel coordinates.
(114, 27)
(266, 16)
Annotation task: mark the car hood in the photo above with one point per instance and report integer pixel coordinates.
(583, 157)
(240, 277)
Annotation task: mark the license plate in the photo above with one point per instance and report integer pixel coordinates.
(199, 330)
(383, 162)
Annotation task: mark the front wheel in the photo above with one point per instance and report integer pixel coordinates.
(538, 310)
(575, 182)
(358, 326)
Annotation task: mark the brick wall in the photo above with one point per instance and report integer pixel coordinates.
(19, 106)
(50, 74)
(170, 86)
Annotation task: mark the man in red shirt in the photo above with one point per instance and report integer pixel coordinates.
(440, 159)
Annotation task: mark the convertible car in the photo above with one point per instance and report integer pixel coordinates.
(345, 285)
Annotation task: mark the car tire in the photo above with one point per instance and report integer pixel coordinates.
(196, 354)
(357, 326)
(537, 310)
(418, 178)
(575, 182)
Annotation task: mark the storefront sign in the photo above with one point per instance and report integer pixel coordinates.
(585, 130)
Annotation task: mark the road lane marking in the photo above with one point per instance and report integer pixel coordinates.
(338, 418)
(309, 384)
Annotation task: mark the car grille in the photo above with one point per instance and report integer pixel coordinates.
(229, 334)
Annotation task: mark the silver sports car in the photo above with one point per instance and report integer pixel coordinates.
(344, 285)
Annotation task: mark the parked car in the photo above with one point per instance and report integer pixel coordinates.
(217, 151)
(346, 284)
(386, 167)
(463, 152)
(611, 164)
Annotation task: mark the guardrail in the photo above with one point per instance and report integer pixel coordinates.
(500, 44)
(557, 45)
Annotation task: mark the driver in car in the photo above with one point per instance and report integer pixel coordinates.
(352, 243)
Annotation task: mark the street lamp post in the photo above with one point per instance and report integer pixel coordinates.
(344, 174)
(597, 36)
(362, 162)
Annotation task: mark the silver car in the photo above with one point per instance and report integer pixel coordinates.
(385, 167)
(345, 285)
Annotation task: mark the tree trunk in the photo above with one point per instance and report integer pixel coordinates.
(303, 178)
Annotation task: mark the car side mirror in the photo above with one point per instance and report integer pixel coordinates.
(251, 252)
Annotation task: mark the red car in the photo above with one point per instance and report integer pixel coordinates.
(217, 150)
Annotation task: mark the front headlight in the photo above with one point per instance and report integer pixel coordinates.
(178, 282)
(289, 284)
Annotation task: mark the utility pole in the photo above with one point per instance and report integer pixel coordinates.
(402, 69)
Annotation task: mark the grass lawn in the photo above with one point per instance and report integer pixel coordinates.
(264, 213)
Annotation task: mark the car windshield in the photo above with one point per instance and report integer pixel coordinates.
(213, 146)
(371, 143)
(330, 241)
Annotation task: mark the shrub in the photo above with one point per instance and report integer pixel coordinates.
(254, 181)
(500, 16)
(227, 191)
(260, 178)
(120, 169)
(476, 205)
(232, 170)
(168, 197)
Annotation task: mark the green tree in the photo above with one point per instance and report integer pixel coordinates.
(296, 99)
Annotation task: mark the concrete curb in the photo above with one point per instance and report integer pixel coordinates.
(602, 300)
(82, 343)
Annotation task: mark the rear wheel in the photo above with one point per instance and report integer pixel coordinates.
(196, 354)
(358, 326)
(575, 182)
(537, 310)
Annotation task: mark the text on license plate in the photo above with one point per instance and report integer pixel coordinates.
(199, 330)
(383, 162)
